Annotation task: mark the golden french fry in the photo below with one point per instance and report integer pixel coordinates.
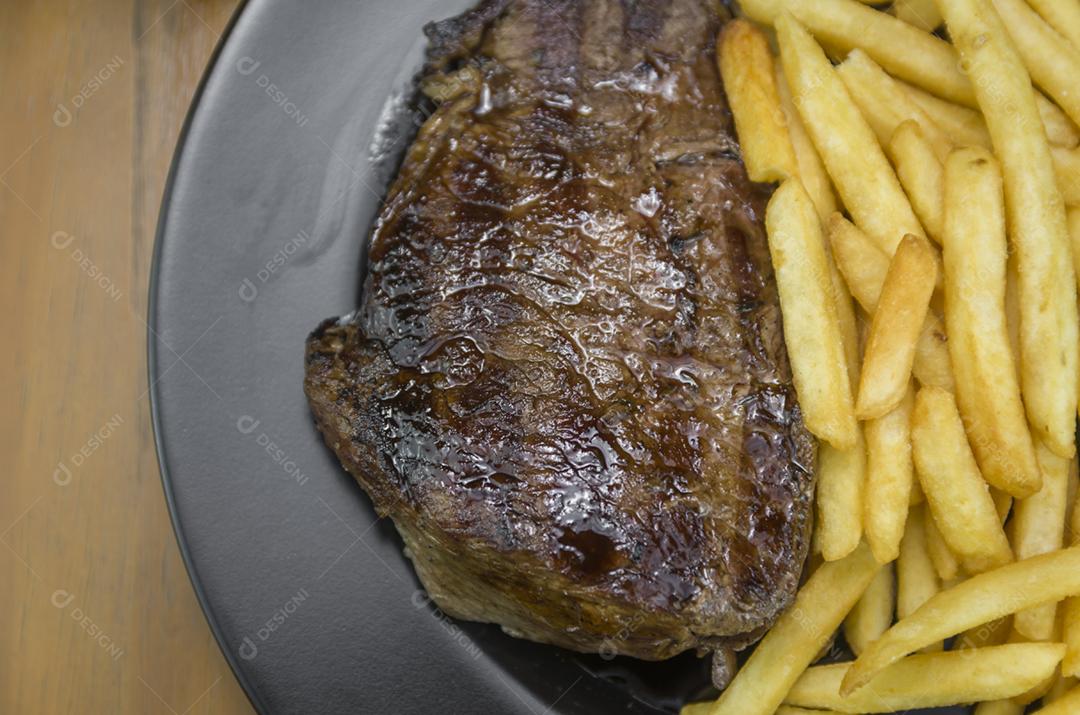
(1060, 130)
(1049, 330)
(965, 126)
(1054, 63)
(945, 562)
(1067, 170)
(811, 325)
(842, 473)
(1002, 503)
(923, 14)
(1062, 685)
(811, 170)
(987, 390)
(1047, 578)
(706, 708)
(995, 632)
(864, 267)
(884, 103)
(1038, 526)
(889, 476)
(1070, 622)
(999, 707)
(861, 262)
(1073, 222)
(955, 491)
(921, 174)
(902, 49)
(873, 612)
(746, 66)
(854, 159)
(917, 496)
(1070, 498)
(788, 648)
(898, 320)
(1067, 704)
(916, 579)
(932, 680)
(1062, 16)
(841, 476)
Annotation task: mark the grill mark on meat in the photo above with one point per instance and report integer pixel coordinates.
(566, 382)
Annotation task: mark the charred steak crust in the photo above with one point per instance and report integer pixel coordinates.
(566, 382)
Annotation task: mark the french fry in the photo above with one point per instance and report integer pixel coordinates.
(923, 14)
(1062, 16)
(921, 174)
(1067, 704)
(1049, 334)
(1070, 621)
(841, 475)
(933, 680)
(1067, 170)
(788, 648)
(1054, 63)
(1047, 578)
(996, 632)
(746, 66)
(965, 126)
(999, 707)
(847, 146)
(1041, 688)
(1073, 221)
(1060, 130)
(884, 103)
(864, 267)
(916, 579)
(706, 708)
(902, 49)
(945, 562)
(1002, 503)
(1038, 526)
(986, 386)
(958, 498)
(873, 612)
(1062, 685)
(898, 319)
(811, 325)
(889, 475)
(811, 171)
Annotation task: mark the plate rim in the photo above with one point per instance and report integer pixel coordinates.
(209, 73)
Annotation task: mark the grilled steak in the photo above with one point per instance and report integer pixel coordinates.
(566, 383)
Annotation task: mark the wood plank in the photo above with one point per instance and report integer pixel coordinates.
(101, 615)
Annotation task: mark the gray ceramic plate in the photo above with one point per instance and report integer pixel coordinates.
(289, 146)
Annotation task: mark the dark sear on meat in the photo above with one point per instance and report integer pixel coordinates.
(566, 382)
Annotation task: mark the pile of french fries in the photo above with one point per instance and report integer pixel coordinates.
(925, 237)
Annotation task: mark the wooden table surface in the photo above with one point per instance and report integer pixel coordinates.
(98, 614)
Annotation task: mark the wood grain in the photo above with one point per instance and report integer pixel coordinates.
(98, 612)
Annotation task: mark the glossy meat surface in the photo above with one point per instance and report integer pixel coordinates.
(566, 382)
